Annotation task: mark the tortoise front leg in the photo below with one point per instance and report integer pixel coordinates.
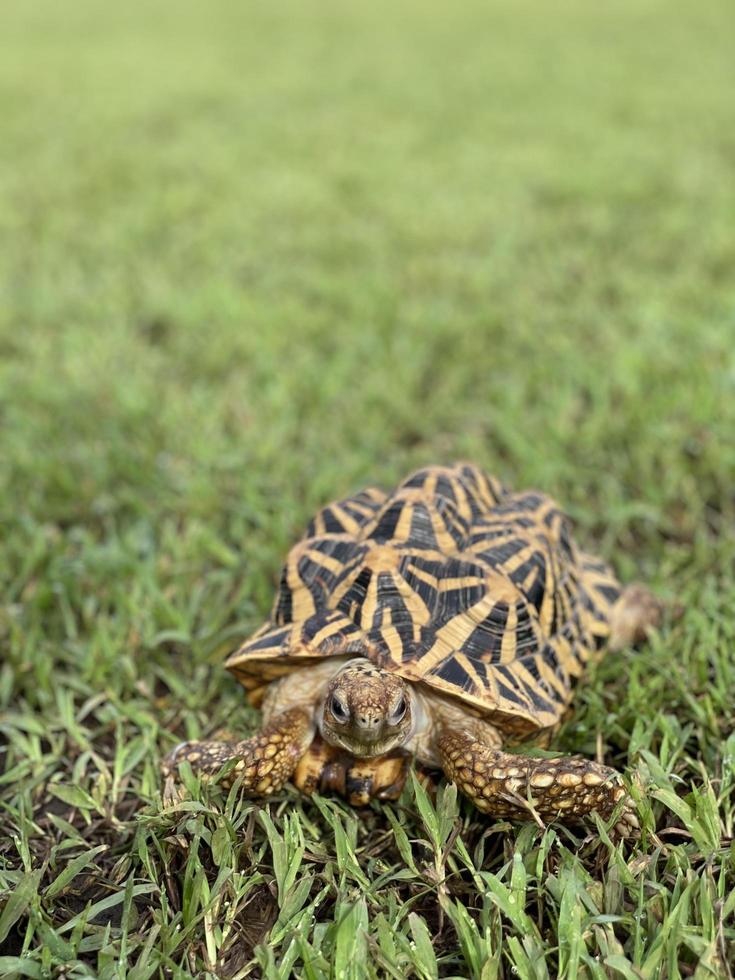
(264, 761)
(523, 788)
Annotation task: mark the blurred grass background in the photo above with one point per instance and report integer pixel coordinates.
(253, 258)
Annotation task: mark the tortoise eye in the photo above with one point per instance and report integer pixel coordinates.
(399, 711)
(338, 709)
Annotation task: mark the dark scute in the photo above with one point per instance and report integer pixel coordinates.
(427, 593)
(355, 595)
(550, 656)
(541, 703)
(608, 592)
(271, 639)
(512, 688)
(343, 551)
(422, 534)
(317, 579)
(385, 529)
(485, 641)
(511, 694)
(454, 523)
(536, 591)
(417, 479)
(600, 639)
(489, 531)
(452, 671)
(565, 541)
(456, 601)
(496, 555)
(390, 598)
(332, 523)
(524, 501)
(525, 636)
(445, 489)
(344, 629)
(320, 580)
(283, 609)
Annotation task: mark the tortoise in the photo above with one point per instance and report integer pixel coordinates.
(439, 621)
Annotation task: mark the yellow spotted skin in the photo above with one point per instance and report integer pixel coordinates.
(263, 762)
(521, 788)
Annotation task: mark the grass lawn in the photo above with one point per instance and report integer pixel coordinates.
(254, 257)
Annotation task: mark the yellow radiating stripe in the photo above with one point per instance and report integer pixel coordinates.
(347, 520)
(386, 560)
(302, 600)
(453, 520)
(420, 612)
(391, 636)
(444, 539)
(508, 643)
(302, 603)
(336, 596)
(450, 584)
(403, 527)
(426, 577)
(393, 641)
(370, 604)
(463, 500)
(328, 631)
(523, 678)
(531, 577)
(329, 562)
(523, 698)
(375, 494)
(519, 558)
(546, 612)
(429, 486)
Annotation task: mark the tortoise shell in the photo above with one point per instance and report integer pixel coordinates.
(455, 583)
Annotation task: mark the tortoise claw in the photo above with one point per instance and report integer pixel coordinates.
(628, 825)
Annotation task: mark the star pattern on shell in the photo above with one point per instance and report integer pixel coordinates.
(453, 582)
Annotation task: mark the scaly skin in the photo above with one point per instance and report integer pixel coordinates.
(265, 761)
(519, 787)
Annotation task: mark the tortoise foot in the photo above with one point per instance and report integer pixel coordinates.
(326, 769)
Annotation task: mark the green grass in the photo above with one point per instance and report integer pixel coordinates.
(254, 258)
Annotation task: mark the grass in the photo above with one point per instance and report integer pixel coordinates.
(254, 258)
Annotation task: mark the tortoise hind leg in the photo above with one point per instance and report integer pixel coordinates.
(264, 761)
(523, 788)
(633, 615)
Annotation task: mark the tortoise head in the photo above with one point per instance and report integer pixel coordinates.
(366, 710)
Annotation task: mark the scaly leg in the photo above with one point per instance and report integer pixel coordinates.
(636, 611)
(264, 761)
(376, 779)
(523, 788)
